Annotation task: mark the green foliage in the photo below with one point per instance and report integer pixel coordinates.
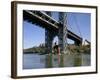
(39, 49)
(79, 49)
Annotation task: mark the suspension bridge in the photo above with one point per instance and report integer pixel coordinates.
(52, 28)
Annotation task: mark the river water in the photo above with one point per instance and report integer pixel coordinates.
(36, 61)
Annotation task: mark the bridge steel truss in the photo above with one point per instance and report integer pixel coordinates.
(52, 28)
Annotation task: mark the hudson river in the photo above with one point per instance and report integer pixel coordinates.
(36, 61)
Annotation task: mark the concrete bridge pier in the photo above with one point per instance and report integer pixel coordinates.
(49, 36)
(62, 39)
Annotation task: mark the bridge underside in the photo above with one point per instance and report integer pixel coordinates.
(34, 19)
(52, 29)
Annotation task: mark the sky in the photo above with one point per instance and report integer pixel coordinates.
(79, 23)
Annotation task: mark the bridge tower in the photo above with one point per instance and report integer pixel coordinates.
(62, 33)
(49, 36)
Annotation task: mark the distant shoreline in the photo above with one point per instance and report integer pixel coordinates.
(30, 52)
(71, 49)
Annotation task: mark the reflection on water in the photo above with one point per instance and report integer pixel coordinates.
(36, 61)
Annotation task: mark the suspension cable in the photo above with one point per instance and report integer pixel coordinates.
(68, 24)
(77, 25)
